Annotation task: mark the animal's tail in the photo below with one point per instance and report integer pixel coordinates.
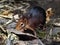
(49, 13)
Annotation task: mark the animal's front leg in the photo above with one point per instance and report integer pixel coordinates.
(31, 29)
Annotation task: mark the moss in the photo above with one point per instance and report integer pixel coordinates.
(40, 34)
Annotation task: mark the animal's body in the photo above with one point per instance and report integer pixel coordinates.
(35, 17)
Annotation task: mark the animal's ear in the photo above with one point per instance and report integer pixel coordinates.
(49, 12)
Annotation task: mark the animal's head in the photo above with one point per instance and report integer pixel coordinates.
(21, 23)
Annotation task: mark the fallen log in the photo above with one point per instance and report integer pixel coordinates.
(23, 36)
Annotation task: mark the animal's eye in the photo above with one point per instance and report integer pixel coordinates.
(22, 24)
